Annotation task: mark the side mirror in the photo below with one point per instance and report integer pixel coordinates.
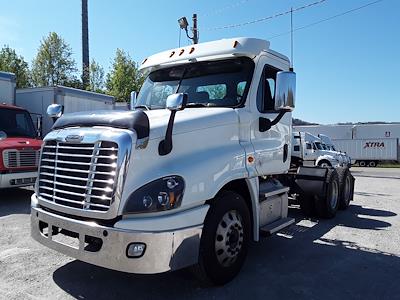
(3, 135)
(285, 93)
(133, 100)
(39, 126)
(55, 111)
(177, 102)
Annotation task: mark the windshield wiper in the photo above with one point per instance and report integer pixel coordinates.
(196, 105)
(142, 106)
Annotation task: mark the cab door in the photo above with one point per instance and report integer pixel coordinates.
(272, 146)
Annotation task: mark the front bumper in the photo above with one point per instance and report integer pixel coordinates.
(165, 251)
(11, 180)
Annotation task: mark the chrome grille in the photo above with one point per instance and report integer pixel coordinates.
(79, 175)
(13, 158)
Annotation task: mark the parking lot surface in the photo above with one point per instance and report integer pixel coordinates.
(354, 256)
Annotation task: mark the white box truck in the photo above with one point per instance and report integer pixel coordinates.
(36, 101)
(7, 88)
(198, 170)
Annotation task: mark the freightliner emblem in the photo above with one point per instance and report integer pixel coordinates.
(74, 138)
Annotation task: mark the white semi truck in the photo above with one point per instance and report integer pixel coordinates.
(198, 169)
(366, 144)
(310, 150)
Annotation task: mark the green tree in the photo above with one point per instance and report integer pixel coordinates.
(53, 64)
(96, 77)
(124, 77)
(11, 62)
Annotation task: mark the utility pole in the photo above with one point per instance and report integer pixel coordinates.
(195, 30)
(85, 45)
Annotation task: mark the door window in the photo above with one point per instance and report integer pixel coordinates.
(266, 90)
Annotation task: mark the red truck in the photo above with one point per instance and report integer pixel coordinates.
(19, 147)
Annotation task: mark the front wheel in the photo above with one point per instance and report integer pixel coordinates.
(324, 164)
(225, 239)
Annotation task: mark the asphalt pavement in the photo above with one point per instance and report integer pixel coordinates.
(354, 256)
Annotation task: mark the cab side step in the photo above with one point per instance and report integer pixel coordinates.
(274, 227)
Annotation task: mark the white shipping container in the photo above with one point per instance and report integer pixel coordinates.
(369, 149)
(36, 101)
(335, 132)
(377, 131)
(7, 88)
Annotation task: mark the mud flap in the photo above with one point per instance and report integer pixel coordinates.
(312, 180)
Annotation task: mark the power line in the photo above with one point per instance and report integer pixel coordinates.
(220, 10)
(266, 18)
(326, 19)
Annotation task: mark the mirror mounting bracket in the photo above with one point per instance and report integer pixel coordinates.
(165, 146)
(265, 124)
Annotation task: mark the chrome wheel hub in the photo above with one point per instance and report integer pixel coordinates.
(229, 238)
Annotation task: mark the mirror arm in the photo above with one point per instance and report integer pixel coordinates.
(165, 146)
(266, 124)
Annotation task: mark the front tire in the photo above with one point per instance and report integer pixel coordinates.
(224, 240)
(324, 164)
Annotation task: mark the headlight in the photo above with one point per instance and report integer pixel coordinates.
(159, 195)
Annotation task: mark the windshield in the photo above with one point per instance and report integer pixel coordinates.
(319, 146)
(16, 123)
(218, 83)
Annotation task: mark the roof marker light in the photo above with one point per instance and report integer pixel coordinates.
(172, 54)
(235, 43)
(182, 50)
(191, 50)
(144, 61)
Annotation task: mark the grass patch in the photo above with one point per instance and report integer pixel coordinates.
(389, 165)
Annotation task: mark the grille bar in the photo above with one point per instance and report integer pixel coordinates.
(79, 175)
(13, 158)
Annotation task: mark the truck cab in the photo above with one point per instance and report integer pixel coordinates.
(198, 168)
(19, 147)
(331, 147)
(310, 150)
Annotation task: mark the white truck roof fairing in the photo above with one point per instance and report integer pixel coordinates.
(249, 47)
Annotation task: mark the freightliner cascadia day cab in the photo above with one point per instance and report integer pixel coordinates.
(197, 170)
(19, 147)
(310, 150)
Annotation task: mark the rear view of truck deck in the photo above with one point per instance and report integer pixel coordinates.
(196, 171)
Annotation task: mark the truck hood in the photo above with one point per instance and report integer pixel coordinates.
(190, 119)
(19, 143)
(151, 123)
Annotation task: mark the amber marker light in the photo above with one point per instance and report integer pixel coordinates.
(250, 159)
(171, 199)
(182, 50)
(235, 43)
(172, 54)
(191, 50)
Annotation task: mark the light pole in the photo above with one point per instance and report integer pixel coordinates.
(183, 24)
